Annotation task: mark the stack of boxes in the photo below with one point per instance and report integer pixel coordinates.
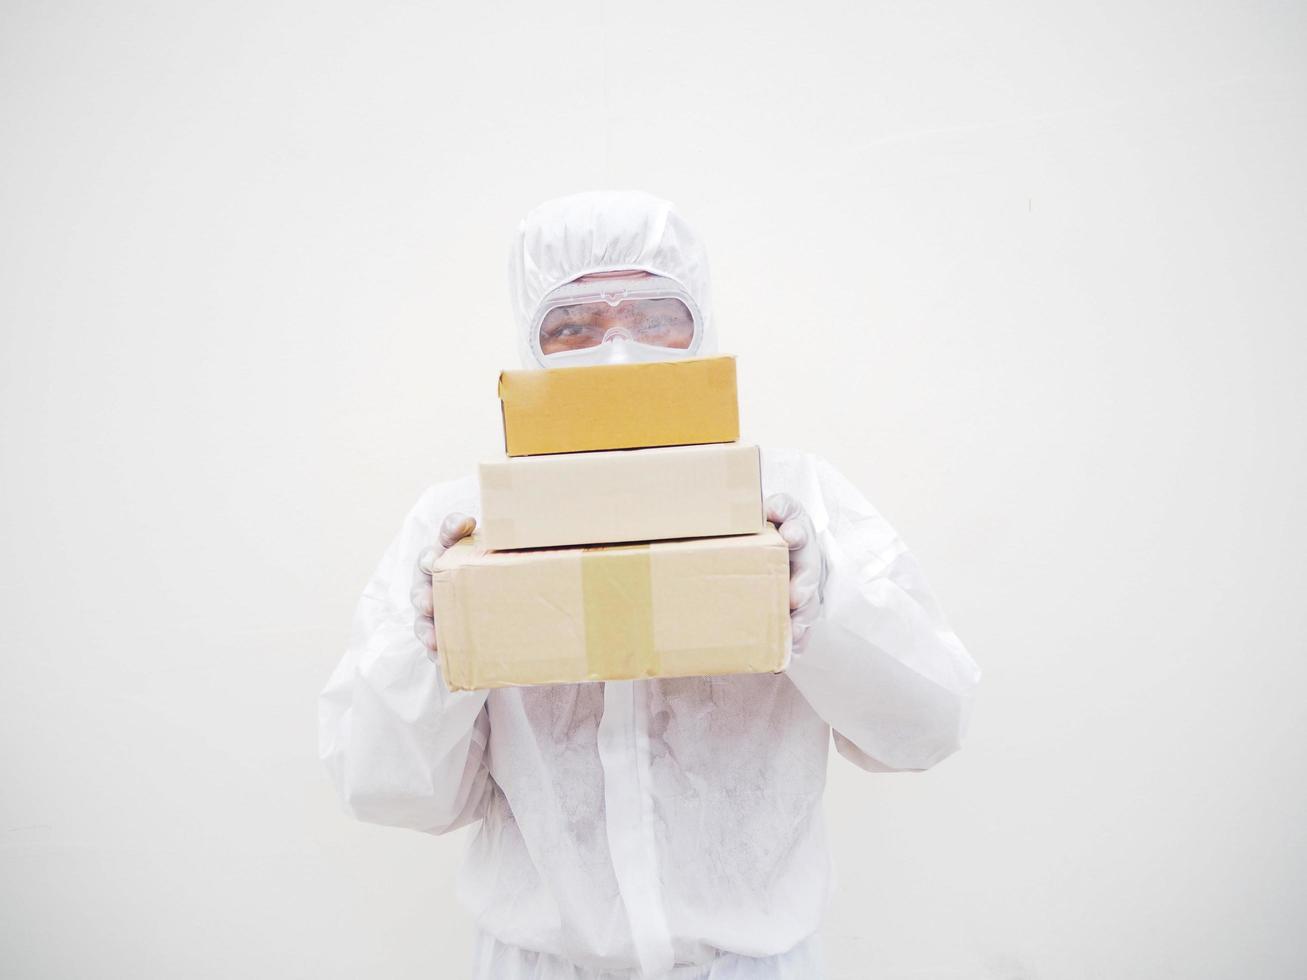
(621, 536)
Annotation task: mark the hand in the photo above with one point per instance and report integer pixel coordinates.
(454, 528)
(807, 563)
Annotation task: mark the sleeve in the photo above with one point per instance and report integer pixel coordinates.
(400, 747)
(881, 665)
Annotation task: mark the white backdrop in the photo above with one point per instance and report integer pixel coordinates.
(1032, 277)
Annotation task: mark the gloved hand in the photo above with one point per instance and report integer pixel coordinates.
(452, 529)
(807, 563)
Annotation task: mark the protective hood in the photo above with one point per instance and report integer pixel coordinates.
(602, 231)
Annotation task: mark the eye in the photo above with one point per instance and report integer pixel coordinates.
(666, 330)
(564, 330)
(567, 333)
(654, 328)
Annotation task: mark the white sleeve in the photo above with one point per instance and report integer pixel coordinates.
(401, 748)
(881, 665)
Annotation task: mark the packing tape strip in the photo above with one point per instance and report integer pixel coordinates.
(617, 594)
(747, 517)
(496, 476)
(746, 473)
(495, 531)
(748, 658)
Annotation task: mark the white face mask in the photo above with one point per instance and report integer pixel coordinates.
(621, 318)
(618, 350)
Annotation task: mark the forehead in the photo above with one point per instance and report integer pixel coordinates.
(615, 274)
(580, 311)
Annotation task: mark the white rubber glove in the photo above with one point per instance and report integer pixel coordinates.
(452, 529)
(807, 563)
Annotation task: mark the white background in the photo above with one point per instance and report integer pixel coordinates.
(1032, 277)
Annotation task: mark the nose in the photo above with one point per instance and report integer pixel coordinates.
(616, 333)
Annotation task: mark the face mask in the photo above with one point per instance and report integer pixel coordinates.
(620, 319)
(616, 351)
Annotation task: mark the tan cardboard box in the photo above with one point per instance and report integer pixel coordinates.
(559, 616)
(620, 406)
(621, 495)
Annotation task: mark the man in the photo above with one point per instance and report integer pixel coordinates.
(654, 828)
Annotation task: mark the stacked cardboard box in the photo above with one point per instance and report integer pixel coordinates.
(621, 536)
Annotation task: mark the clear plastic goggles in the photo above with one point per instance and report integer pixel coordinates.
(614, 318)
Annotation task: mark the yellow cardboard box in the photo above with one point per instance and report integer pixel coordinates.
(666, 609)
(620, 406)
(621, 495)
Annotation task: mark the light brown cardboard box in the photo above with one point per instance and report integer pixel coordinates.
(666, 609)
(620, 406)
(621, 495)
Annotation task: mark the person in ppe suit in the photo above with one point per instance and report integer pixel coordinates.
(651, 828)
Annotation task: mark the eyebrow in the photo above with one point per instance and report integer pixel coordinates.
(571, 310)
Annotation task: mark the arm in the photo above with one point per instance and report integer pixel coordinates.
(401, 748)
(880, 663)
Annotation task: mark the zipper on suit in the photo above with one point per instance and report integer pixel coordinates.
(628, 815)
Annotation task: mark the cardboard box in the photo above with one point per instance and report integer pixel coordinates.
(620, 406)
(621, 495)
(559, 616)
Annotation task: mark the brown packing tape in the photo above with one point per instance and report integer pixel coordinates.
(503, 411)
(497, 529)
(745, 466)
(742, 659)
(747, 577)
(748, 476)
(746, 473)
(617, 596)
(494, 477)
(747, 516)
(496, 486)
(450, 635)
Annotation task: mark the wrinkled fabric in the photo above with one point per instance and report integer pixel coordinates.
(602, 231)
(639, 827)
(492, 960)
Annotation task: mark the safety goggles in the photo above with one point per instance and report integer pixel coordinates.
(625, 318)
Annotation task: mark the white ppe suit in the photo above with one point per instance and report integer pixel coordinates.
(655, 828)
